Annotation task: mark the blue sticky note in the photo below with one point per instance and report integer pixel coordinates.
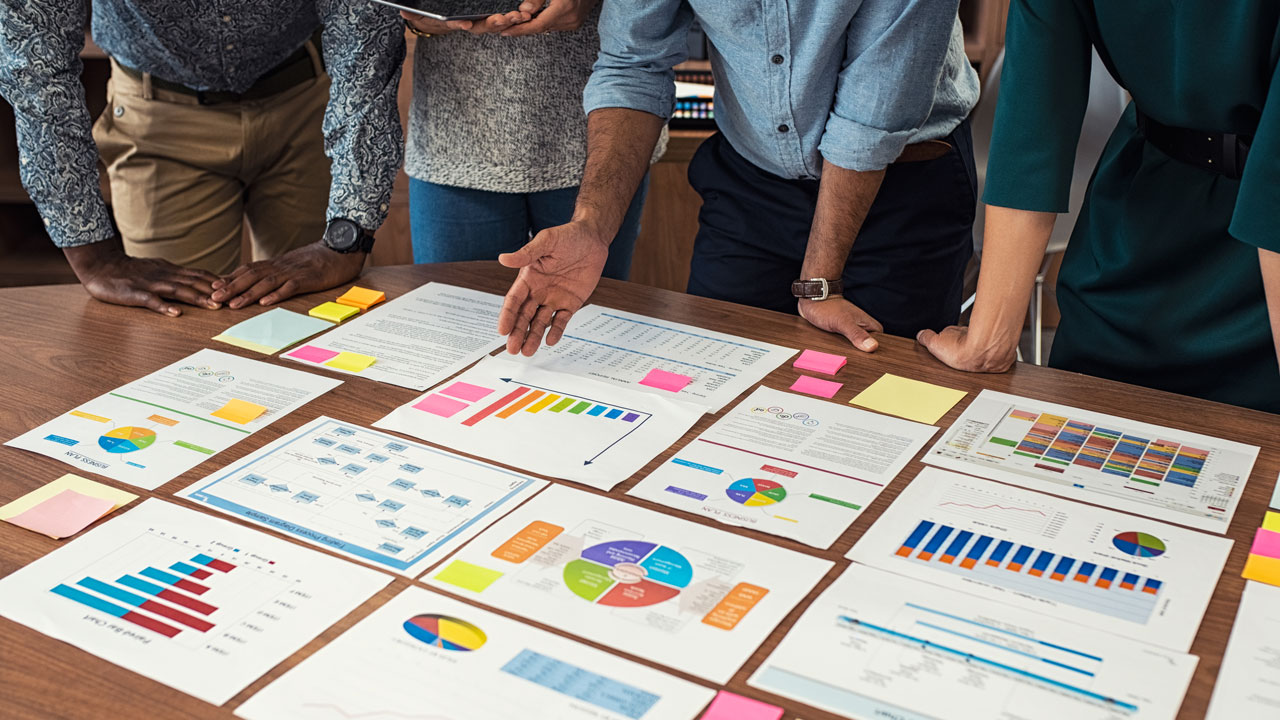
(1275, 497)
(273, 331)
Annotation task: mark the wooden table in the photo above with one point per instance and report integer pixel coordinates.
(60, 348)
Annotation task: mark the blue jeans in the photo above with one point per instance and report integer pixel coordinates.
(453, 224)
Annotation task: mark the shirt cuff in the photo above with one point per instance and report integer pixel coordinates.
(854, 146)
(76, 232)
(633, 91)
(369, 214)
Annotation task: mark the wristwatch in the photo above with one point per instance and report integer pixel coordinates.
(344, 236)
(817, 288)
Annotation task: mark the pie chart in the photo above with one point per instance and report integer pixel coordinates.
(127, 439)
(447, 633)
(628, 573)
(754, 492)
(1139, 544)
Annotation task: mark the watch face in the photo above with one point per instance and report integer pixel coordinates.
(342, 235)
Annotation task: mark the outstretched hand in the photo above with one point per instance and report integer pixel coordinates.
(109, 275)
(962, 350)
(559, 269)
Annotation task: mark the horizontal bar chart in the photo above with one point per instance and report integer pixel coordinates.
(539, 401)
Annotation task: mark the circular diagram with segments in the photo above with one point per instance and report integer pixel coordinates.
(127, 439)
(447, 633)
(628, 573)
(1139, 544)
(754, 492)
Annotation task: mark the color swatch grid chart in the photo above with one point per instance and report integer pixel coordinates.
(910, 650)
(1160, 472)
(1115, 572)
(423, 656)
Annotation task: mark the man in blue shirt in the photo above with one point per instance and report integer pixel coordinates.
(217, 113)
(838, 121)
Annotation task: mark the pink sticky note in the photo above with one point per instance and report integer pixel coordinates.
(311, 353)
(663, 380)
(731, 706)
(440, 405)
(814, 386)
(466, 391)
(1266, 543)
(64, 514)
(819, 362)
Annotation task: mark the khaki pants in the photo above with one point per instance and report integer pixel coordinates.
(184, 176)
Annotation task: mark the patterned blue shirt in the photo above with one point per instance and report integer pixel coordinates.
(797, 81)
(217, 45)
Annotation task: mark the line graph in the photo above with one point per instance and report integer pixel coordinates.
(973, 503)
(993, 506)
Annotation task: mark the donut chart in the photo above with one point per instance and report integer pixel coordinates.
(1139, 544)
(127, 439)
(754, 492)
(628, 574)
(447, 633)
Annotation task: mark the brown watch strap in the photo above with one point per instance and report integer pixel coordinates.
(812, 289)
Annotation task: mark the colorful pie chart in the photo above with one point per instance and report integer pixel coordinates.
(753, 492)
(447, 633)
(127, 439)
(1139, 544)
(628, 573)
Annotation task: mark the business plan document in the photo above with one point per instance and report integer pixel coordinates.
(1248, 684)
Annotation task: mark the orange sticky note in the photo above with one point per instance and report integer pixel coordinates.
(1262, 569)
(362, 298)
(239, 411)
(64, 514)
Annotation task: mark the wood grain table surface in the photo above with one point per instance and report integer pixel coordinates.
(60, 348)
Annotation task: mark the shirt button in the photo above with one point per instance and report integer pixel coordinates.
(118, 112)
(383, 207)
(226, 18)
(783, 128)
(776, 59)
(231, 46)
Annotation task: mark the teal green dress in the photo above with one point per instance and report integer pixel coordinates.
(1160, 285)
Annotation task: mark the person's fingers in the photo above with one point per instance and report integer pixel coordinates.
(558, 325)
(458, 24)
(538, 327)
(926, 339)
(284, 292)
(240, 279)
(857, 334)
(260, 288)
(530, 6)
(871, 324)
(511, 306)
(199, 284)
(203, 276)
(182, 293)
(517, 337)
(520, 258)
(545, 21)
(138, 297)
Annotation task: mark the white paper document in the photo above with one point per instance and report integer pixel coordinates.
(878, 645)
(621, 348)
(418, 339)
(198, 603)
(1173, 475)
(668, 590)
(158, 427)
(376, 497)
(1114, 572)
(1249, 681)
(786, 464)
(546, 422)
(423, 655)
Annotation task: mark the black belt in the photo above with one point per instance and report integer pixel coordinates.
(1222, 153)
(292, 72)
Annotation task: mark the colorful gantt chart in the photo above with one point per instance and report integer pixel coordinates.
(1115, 572)
(912, 651)
(1172, 475)
(198, 603)
(661, 588)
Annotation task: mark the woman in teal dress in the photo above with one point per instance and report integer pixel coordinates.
(1173, 264)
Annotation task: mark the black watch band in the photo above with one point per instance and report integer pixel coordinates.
(817, 289)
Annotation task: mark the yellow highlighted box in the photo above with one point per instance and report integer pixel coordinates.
(467, 576)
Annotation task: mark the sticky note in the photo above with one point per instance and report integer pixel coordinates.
(64, 514)
(1266, 543)
(351, 362)
(241, 412)
(272, 331)
(1275, 497)
(731, 706)
(440, 405)
(332, 311)
(467, 391)
(1263, 569)
(819, 362)
(814, 386)
(1272, 521)
(314, 354)
(362, 298)
(467, 576)
(911, 399)
(663, 380)
(83, 486)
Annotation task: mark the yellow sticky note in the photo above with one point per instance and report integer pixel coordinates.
(332, 311)
(1262, 569)
(239, 411)
(352, 362)
(468, 576)
(1272, 521)
(910, 399)
(362, 298)
(81, 485)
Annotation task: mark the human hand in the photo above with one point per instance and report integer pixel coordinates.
(840, 316)
(559, 269)
(957, 347)
(556, 16)
(310, 268)
(109, 275)
(491, 24)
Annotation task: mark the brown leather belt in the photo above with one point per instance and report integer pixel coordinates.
(924, 151)
(292, 72)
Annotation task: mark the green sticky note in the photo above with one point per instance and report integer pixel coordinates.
(468, 576)
(272, 331)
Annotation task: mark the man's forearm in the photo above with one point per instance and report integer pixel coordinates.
(620, 143)
(1270, 264)
(844, 199)
(1013, 249)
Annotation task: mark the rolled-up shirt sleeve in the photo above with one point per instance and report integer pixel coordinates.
(640, 45)
(1258, 203)
(893, 61)
(40, 66)
(364, 52)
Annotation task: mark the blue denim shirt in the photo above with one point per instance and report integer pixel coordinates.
(223, 46)
(851, 81)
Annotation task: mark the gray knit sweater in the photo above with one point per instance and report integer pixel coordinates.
(502, 114)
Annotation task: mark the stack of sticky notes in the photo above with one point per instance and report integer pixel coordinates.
(65, 506)
(333, 312)
(272, 331)
(663, 380)
(1263, 564)
(819, 362)
(363, 298)
(241, 412)
(731, 706)
(911, 399)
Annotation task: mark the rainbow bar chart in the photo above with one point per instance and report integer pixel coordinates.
(1039, 572)
(522, 398)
